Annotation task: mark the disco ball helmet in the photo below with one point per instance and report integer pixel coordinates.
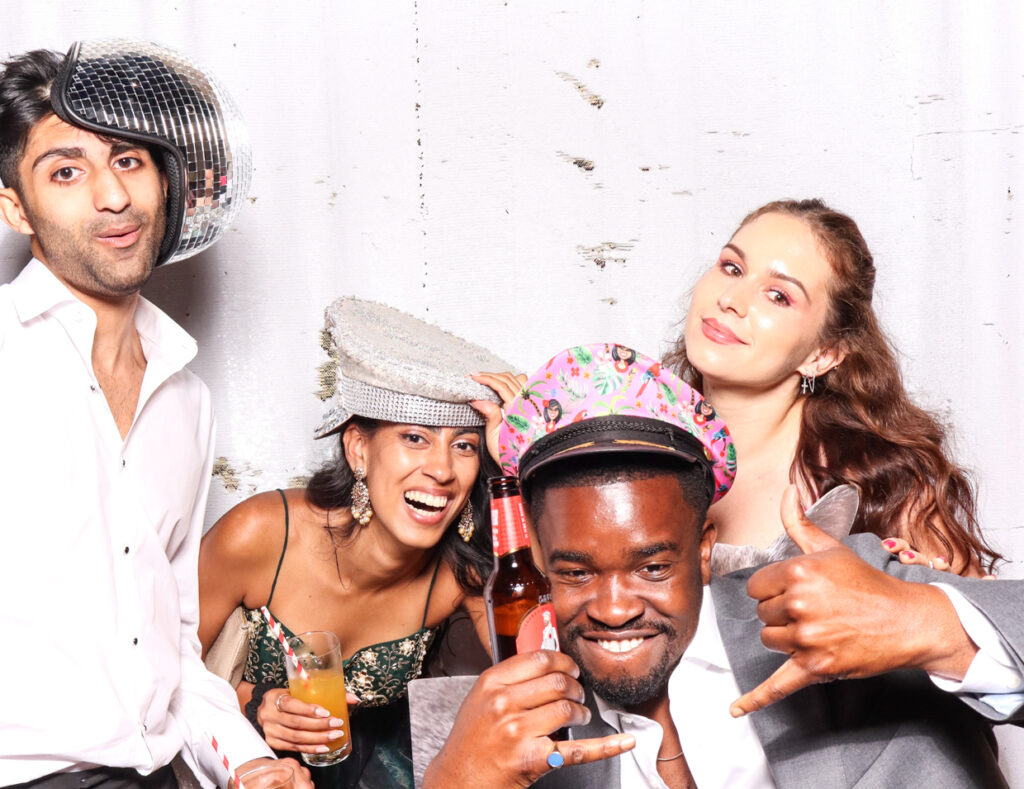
(154, 95)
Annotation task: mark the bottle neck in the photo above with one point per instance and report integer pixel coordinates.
(513, 560)
(508, 524)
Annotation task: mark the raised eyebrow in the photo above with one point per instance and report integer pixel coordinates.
(122, 146)
(59, 153)
(737, 250)
(787, 278)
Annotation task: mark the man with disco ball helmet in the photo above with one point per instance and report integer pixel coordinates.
(115, 158)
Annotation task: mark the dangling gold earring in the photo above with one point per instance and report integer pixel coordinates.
(362, 510)
(466, 523)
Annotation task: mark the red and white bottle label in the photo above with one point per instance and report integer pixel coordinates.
(508, 525)
(538, 630)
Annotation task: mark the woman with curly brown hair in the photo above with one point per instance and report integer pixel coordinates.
(781, 337)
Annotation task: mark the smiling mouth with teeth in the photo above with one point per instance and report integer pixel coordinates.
(620, 645)
(425, 502)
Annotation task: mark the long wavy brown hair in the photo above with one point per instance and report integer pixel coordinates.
(860, 426)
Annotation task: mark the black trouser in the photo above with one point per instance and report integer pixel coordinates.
(104, 778)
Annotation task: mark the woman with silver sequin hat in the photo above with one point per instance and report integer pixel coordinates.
(388, 540)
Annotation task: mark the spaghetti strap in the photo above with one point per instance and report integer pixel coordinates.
(284, 548)
(430, 591)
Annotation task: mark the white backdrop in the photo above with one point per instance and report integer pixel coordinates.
(536, 174)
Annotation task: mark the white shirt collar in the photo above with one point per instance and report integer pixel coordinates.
(706, 646)
(37, 290)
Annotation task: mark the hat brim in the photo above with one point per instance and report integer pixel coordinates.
(616, 434)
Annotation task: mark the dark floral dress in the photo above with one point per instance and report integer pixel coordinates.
(378, 674)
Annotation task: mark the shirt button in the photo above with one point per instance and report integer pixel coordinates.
(126, 549)
(92, 387)
(135, 642)
(123, 461)
(627, 720)
(1012, 681)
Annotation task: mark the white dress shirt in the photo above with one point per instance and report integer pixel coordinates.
(99, 540)
(720, 750)
(702, 687)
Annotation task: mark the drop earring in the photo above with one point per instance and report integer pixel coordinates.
(807, 383)
(466, 523)
(361, 508)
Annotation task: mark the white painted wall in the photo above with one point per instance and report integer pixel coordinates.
(437, 156)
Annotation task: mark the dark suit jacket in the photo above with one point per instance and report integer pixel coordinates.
(894, 730)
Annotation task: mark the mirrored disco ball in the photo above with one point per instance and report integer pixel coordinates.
(152, 94)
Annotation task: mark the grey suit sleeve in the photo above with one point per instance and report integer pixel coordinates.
(1001, 602)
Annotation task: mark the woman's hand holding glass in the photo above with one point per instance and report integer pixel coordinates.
(292, 725)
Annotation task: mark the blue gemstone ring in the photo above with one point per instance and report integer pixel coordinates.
(555, 759)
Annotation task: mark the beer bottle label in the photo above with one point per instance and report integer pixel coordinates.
(538, 630)
(508, 525)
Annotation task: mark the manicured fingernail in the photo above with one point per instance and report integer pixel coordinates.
(589, 714)
(908, 554)
(889, 543)
(736, 712)
(335, 735)
(322, 712)
(336, 723)
(322, 749)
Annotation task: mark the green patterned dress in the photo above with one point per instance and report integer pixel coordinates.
(379, 675)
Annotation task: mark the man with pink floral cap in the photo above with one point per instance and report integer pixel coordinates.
(619, 461)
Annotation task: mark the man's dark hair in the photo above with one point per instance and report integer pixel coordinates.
(25, 85)
(595, 469)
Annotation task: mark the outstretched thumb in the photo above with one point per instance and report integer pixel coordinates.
(787, 679)
(808, 537)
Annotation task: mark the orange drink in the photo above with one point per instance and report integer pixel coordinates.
(319, 653)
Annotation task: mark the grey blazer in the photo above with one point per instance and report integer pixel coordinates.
(894, 730)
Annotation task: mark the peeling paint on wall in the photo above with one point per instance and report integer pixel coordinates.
(578, 161)
(917, 139)
(228, 476)
(420, 161)
(236, 476)
(586, 93)
(327, 373)
(605, 252)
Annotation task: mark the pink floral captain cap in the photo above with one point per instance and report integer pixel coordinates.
(609, 398)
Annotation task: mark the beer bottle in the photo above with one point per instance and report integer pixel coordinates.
(518, 596)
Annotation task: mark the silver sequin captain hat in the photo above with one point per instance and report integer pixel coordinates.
(146, 92)
(397, 368)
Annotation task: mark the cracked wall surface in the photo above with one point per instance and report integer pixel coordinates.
(534, 175)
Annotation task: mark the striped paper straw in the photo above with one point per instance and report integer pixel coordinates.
(232, 773)
(275, 628)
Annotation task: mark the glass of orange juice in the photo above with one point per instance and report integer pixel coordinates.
(319, 653)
